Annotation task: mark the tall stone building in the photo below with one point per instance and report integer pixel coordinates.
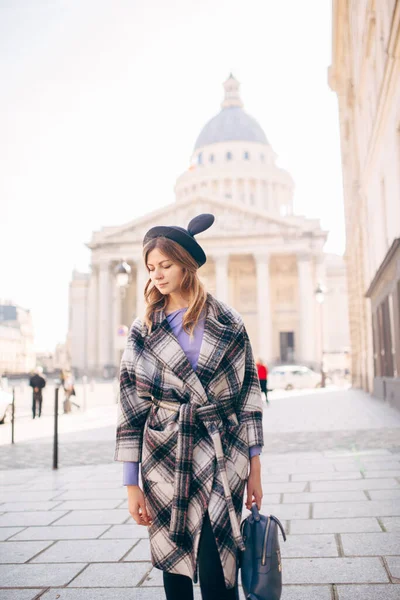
(17, 352)
(365, 74)
(263, 259)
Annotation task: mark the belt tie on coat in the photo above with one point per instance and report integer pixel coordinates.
(208, 415)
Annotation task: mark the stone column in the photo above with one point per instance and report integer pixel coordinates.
(104, 320)
(321, 337)
(142, 277)
(117, 294)
(264, 316)
(305, 351)
(221, 277)
(92, 321)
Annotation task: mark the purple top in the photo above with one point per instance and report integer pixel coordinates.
(191, 348)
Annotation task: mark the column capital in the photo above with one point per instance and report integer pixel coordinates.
(262, 256)
(304, 257)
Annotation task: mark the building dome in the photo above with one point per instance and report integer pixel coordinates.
(232, 123)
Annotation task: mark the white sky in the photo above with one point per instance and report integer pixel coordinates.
(102, 101)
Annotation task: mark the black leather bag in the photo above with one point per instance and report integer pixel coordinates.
(260, 562)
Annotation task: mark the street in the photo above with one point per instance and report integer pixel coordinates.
(331, 474)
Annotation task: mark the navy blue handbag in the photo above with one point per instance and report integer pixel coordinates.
(260, 562)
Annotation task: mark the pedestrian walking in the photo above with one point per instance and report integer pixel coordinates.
(69, 392)
(37, 382)
(190, 413)
(262, 371)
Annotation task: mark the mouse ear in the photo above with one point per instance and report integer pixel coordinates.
(200, 223)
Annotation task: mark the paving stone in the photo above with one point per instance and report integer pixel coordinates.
(383, 473)
(364, 465)
(302, 546)
(394, 566)
(287, 511)
(280, 488)
(33, 496)
(81, 532)
(112, 575)
(306, 592)
(372, 508)
(368, 592)
(324, 497)
(89, 504)
(154, 578)
(274, 478)
(391, 523)
(30, 506)
(91, 494)
(90, 551)
(367, 524)
(105, 594)
(27, 518)
(94, 517)
(384, 494)
(358, 484)
(7, 532)
(19, 594)
(152, 593)
(38, 575)
(140, 553)
(334, 570)
(343, 453)
(129, 530)
(371, 544)
(307, 468)
(323, 476)
(20, 552)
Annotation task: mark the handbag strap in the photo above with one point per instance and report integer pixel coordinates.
(277, 521)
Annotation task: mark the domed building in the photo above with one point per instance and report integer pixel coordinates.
(262, 259)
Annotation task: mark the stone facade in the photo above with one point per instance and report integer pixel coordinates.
(365, 74)
(263, 260)
(17, 353)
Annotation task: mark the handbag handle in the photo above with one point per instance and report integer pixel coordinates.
(256, 517)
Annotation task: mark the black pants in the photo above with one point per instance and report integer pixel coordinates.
(37, 400)
(212, 584)
(264, 387)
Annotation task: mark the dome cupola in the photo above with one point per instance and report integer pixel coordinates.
(232, 123)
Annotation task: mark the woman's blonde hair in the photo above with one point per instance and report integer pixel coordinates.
(156, 301)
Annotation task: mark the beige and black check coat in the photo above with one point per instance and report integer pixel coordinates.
(192, 431)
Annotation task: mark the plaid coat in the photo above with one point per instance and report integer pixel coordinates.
(192, 431)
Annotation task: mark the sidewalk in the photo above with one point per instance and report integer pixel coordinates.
(331, 473)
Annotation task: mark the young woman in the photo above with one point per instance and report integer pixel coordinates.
(190, 411)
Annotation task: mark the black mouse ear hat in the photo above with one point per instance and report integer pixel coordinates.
(184, 237)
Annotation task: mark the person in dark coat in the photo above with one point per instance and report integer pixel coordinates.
(37, 383)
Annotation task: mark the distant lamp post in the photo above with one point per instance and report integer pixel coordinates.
(320, 297)
(122, 272)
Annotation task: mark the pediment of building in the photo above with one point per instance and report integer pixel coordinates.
(230, 220)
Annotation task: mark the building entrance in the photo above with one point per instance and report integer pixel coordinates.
(286, 344)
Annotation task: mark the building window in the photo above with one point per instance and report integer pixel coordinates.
(211, 159)
(252, 199)
(246, 156)
(262, 157)
(229, 156)
(200, 158)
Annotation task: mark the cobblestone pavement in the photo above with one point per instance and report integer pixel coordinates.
(331, 473)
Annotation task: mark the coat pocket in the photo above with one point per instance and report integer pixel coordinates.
(237, 450)
(159, 454)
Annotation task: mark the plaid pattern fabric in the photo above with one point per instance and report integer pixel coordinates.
(195, 459)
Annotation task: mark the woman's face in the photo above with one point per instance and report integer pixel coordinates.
(165, 274)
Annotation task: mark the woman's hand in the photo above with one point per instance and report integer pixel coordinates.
(254, 487)
(137, 505)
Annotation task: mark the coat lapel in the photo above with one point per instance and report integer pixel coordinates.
(218, 334)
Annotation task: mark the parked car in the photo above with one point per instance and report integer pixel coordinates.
(5, 406)
(289, 377)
